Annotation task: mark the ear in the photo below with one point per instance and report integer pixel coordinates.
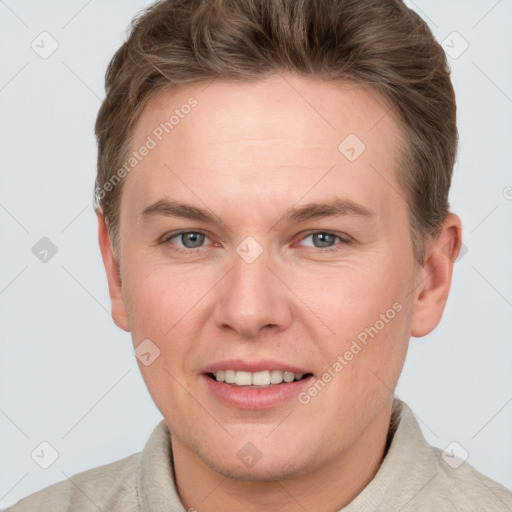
(435, 277)
(119, 313)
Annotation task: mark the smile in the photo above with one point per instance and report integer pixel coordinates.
(261, 379)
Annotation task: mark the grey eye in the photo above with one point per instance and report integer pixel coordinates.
(324, 239)
(321, 240)
(191, 240)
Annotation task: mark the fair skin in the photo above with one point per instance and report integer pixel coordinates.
(247, 154)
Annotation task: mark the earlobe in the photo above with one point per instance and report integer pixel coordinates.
(434, 278)
(118, 307)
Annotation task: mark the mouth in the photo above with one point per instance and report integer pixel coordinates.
(256, 380)
(240, 384)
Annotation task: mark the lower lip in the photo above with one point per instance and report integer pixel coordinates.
(254, 398)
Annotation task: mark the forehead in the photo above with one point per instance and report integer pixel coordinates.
(273, 139)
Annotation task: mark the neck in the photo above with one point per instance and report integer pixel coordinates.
(330, 487)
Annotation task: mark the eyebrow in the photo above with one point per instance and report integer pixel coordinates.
(310, 211)
(171, 208)
(334, 207)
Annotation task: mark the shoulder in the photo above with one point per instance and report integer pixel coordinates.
(417, 476)
(460, 485)
(442, 480)
(109, 487)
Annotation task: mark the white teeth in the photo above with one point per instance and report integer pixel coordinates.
(229, 376)
(243, 378)
(276, 377)
(288, 376)
(263, 378)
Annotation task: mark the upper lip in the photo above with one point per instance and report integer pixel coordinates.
(252, 366)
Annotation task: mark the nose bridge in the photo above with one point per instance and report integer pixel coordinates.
(252, 297)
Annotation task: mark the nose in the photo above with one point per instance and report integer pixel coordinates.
(252, 298)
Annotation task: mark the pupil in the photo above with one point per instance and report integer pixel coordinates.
(324, 238)
(192, 240)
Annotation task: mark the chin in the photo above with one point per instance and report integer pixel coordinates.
(261, 471)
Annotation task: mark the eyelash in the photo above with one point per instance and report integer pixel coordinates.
(344, 241)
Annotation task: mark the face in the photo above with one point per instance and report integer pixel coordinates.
(261, 241)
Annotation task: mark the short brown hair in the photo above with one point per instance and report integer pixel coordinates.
(380, 44)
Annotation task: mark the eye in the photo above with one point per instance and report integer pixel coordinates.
(324, 240)
(187, 239)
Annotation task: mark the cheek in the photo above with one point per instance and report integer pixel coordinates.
(162, 300)
(162, 309)
(367, 313)
(351, 298)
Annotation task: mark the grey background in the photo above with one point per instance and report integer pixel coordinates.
(67, 373)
